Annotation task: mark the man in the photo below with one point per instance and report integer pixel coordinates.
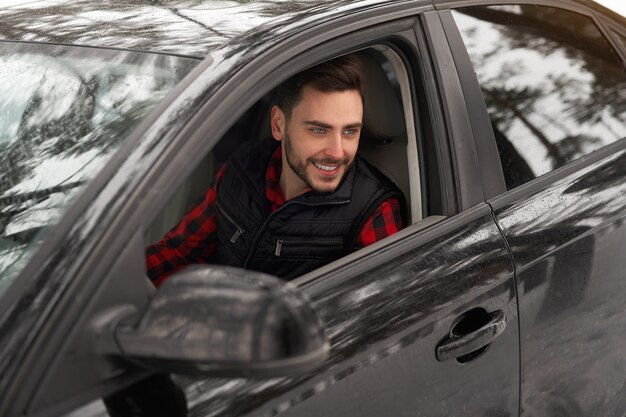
(292, 204)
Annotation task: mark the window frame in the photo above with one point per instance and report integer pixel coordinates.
(490, 166)
(418, 39)
(438, 111)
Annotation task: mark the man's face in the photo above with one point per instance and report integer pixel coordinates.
(319, 140)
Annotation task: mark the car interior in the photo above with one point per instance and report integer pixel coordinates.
(388, 139)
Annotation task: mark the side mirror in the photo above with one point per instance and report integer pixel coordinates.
(229, 322)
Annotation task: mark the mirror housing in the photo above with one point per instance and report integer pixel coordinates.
(228, 322)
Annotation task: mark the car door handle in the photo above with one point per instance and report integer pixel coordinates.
(463, 340)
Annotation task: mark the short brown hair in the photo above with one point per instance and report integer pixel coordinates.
(340, 74)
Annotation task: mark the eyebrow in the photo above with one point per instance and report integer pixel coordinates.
(327, 126)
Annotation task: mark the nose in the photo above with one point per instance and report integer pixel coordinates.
(334, 148)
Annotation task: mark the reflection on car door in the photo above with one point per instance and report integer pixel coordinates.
(568, 243)
(388, 314)
(386, 308)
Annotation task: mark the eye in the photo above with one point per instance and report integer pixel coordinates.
(318, 130)
(350, 132)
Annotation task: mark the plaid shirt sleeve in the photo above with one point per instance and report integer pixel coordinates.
(385, 221)
(192, 240)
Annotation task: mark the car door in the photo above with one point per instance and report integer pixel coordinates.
(553, 81)
(423, 323)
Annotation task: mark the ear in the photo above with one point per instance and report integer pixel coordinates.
(278, 123)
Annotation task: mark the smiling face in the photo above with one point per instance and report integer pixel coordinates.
(319, 140)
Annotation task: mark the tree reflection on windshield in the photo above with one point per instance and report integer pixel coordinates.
(554, 87)
(64, 111)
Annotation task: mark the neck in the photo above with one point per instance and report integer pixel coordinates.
(290, 192)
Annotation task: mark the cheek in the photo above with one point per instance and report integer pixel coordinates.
(301, 148)
(351, 148)
(309, 147)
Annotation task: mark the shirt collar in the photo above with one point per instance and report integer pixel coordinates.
(272, 179)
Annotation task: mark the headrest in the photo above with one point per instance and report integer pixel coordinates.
(383, 117)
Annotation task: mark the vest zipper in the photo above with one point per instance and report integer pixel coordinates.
(279, 246)
(257, 237)
(234, 238)
(239, 230)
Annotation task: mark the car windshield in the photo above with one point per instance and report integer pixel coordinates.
(63, 112)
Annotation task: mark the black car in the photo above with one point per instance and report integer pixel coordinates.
(503, 122)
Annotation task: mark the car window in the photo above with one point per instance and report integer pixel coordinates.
(64, 111)
(554, 87)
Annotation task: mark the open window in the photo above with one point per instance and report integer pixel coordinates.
(393, 139)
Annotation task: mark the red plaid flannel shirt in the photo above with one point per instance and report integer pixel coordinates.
(194, 239)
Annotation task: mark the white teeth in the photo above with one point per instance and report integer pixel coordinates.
(326, 167)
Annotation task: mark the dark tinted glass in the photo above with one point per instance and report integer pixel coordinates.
(554, 87)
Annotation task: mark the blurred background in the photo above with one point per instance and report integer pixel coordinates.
(618, 5)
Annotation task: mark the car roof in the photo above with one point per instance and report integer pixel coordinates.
(191, 27)
(180, 27)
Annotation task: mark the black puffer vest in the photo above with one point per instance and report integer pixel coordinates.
(306, 232)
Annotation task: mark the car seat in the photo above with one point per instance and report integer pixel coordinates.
(383, 139)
